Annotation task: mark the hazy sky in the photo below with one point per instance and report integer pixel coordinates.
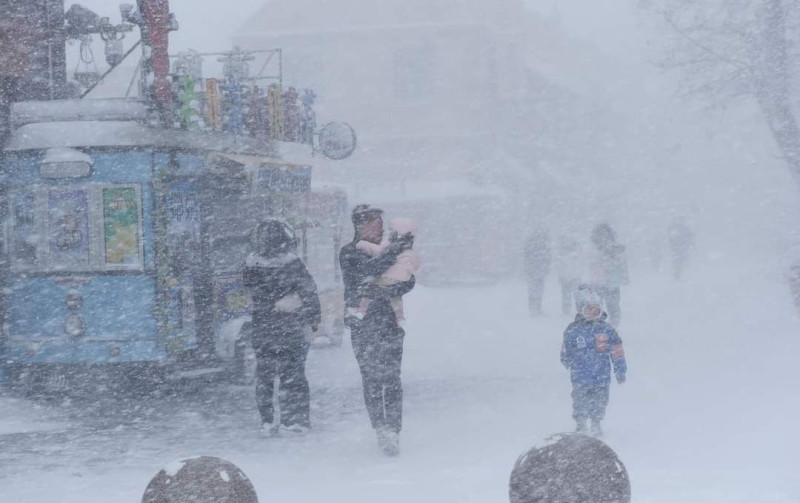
(611, 25)
(207, 25)
(725, 147)
(204, 25)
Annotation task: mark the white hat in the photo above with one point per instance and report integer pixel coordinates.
(586, 296)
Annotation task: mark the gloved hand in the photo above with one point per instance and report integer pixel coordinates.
(352, 322)
(621, 379)
(395, 248)
(372, 291)
(404, 242)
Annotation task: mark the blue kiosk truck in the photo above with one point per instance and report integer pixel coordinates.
(123, 241)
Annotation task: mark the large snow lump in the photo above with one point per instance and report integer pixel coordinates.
(570, 468)
(202, 479)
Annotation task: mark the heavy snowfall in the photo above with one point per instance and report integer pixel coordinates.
(513, 163)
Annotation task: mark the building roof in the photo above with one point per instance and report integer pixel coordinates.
(302, 15)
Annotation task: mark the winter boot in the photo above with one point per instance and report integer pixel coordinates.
(392, 446)
(597, 430)
(269, 429)
(581, 426)
(295, 429)
(388, 441)
(382, 435)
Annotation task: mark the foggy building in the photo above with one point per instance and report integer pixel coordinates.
(425, 86)
(473, 94)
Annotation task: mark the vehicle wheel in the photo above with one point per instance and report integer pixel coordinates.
(145, 379)
(23, 380)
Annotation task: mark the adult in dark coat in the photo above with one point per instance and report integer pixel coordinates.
(285, 308)
(377, 339)
(608, 270)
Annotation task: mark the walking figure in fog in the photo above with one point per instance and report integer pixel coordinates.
(286, 308)
(681, 242)
(376, 333)
(569, 265)
(537, 266)
(608, 270)
(590, 348)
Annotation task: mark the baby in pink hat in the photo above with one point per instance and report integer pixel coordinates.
(405, 266)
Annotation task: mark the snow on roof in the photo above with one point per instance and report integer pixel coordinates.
(88, 134)
(47, 135)
(61, 155)
(28, 112)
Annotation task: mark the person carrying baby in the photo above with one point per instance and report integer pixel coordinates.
(406, 264)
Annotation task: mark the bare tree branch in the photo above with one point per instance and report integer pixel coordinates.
(711, 52)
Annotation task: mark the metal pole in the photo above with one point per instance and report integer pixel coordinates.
(100, 80)
(49, 50)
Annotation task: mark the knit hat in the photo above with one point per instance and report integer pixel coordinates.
(586, 296)
(274, 237)
(364, 213)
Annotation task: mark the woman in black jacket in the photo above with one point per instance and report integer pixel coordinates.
(285, 308)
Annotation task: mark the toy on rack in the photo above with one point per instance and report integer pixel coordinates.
(238, 103)
(256, 118)
(275, 104)
(213, 105)
(188, 71)
(236, 70)
(308, 118)
(291, 115)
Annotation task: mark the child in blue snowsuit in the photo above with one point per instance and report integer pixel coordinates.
(591, 346)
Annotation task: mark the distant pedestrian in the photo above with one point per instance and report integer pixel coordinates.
(681, 243)
(376, 336)
(608, 270)
(794, 284)
(591, 346)
(569, 265)
(655, 251)
(285, 308)
(538, 258)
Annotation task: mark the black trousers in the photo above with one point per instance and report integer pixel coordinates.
(379, 354)
(535, 294)
(287, 361)
(589, 401)
(680, 261)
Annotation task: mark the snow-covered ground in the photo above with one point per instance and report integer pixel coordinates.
(708, 413)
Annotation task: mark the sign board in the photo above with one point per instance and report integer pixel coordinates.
(286, 179)
(337, 141)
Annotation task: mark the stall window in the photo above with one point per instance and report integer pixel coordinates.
(121, 227)
(82, 228)
(68, 228)
(24, 233)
